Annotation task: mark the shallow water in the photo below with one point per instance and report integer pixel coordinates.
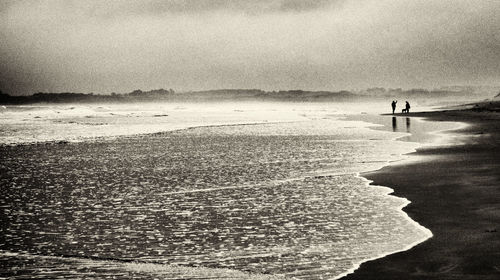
(268, 199)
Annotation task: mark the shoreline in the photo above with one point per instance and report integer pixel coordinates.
(383, 255)
(360, 183)
(406, 158)
(464, 244)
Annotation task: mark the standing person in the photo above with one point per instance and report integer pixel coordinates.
(393, 106)
(407, 107)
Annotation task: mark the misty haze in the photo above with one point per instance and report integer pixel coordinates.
(267, 139)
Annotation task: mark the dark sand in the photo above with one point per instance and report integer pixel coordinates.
(457, 196)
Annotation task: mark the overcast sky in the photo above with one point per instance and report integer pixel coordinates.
(104, 46)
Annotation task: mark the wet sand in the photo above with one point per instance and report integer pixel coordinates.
(456, 195)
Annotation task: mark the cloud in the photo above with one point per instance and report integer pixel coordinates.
(124, 45)
(159, 7)
(255, 6)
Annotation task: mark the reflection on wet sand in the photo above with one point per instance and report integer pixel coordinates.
(395, 124)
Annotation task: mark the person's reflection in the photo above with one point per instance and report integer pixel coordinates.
(394, 124)
(407, 124)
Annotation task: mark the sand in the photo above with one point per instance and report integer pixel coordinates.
(457, 196)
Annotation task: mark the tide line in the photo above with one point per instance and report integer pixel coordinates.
(147, 267)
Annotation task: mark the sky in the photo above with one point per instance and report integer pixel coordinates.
(118, 46)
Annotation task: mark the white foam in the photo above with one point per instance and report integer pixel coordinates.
(443, 138)
(140, 266)
(297, 116)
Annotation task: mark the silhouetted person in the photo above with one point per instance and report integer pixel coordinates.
(394, 124)
(394, 106)
(407, 106)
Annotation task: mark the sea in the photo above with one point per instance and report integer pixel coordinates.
(199, 191)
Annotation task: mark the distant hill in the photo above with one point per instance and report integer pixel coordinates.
(443, 95)
(256, 94)
(170, 95)
(64, 97)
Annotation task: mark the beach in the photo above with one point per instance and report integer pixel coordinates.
(229, 195)
(264, 189)
(237, 139)
(455, 195)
